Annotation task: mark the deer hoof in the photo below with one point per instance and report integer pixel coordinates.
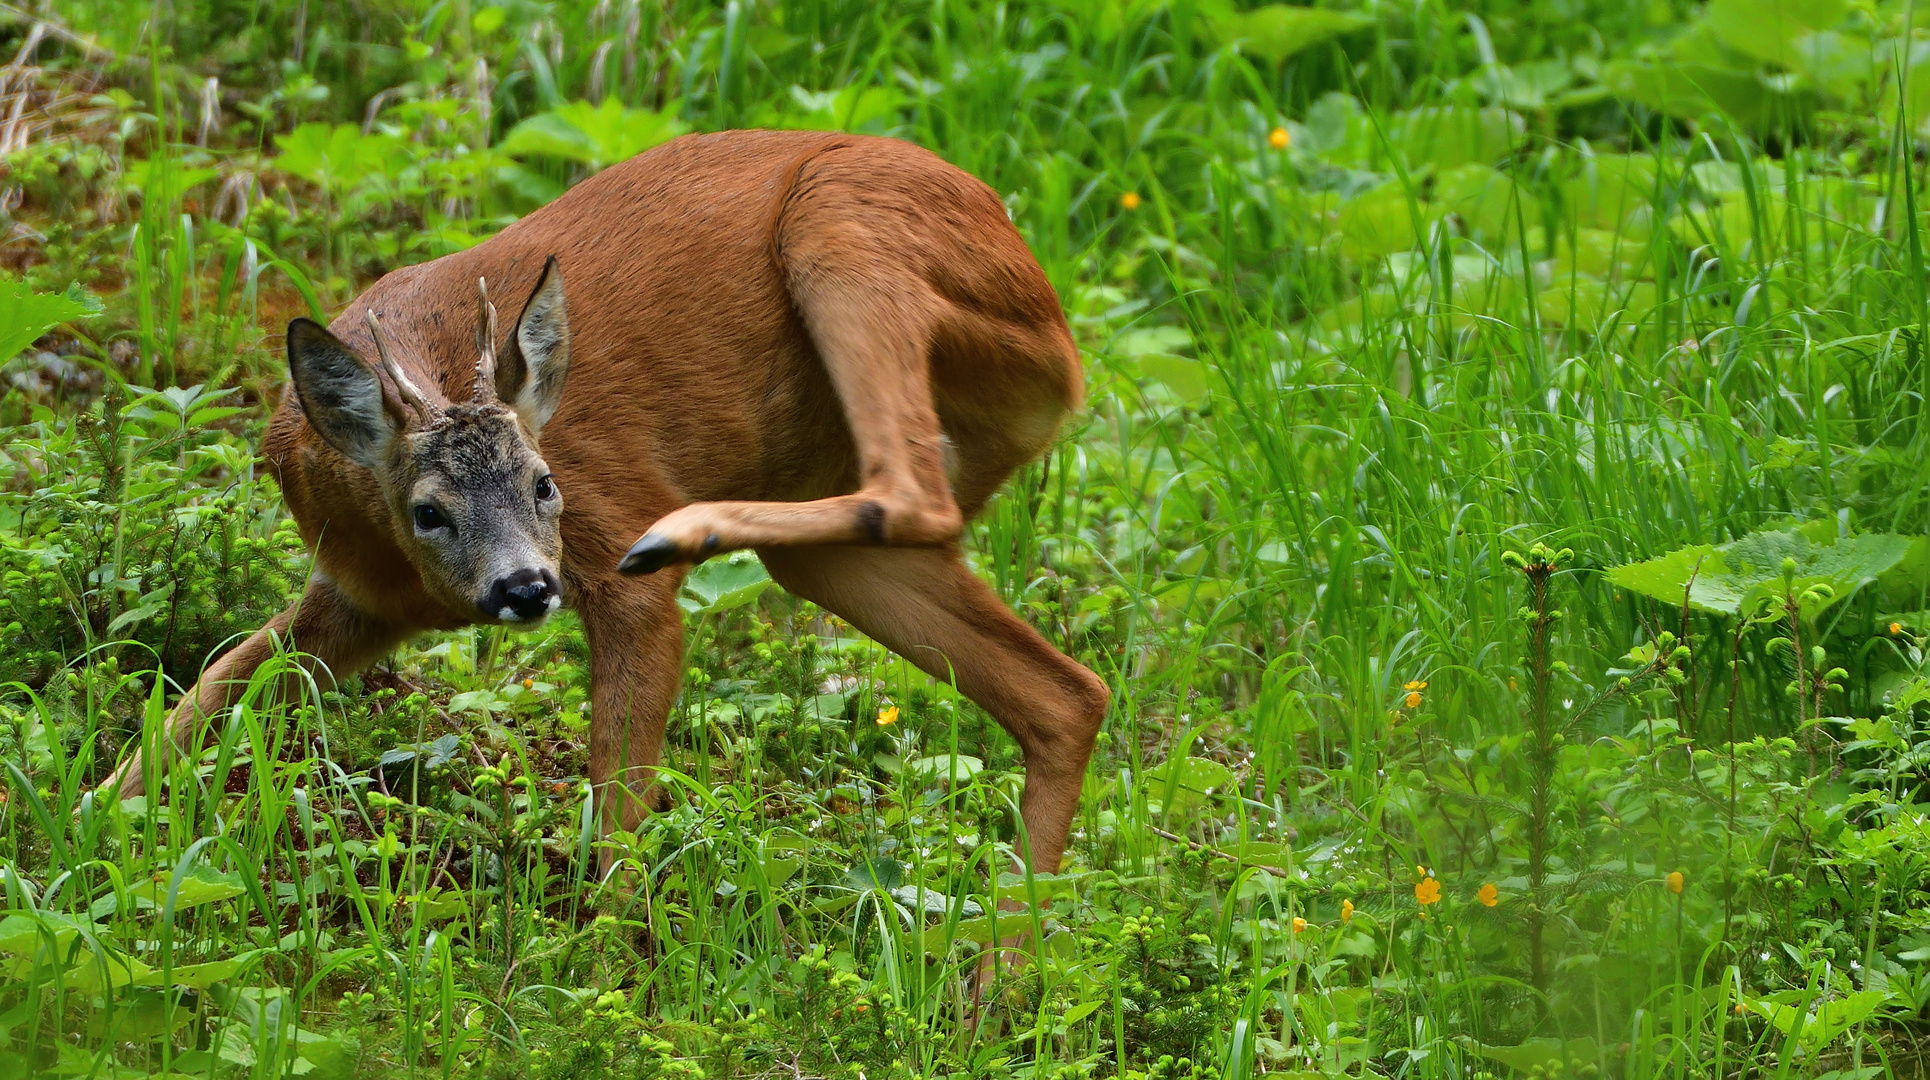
(649, 555)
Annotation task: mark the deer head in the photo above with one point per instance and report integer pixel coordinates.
(471, 499)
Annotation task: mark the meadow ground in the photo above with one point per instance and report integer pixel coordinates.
(1499, 514)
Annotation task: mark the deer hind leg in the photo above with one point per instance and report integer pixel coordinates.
(873, 338)
(334, 637)
(924, 605)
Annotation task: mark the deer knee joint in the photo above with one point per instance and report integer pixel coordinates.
(892, 518)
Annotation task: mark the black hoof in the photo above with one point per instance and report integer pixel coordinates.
(649, 555)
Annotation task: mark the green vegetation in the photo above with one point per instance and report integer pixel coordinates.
(1500, 516)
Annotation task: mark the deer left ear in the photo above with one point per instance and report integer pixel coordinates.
(530, 374)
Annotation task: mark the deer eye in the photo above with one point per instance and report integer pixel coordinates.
(545, 489)
(428, 518)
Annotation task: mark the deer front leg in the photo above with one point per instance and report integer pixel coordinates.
(636, 637)
(334, 638)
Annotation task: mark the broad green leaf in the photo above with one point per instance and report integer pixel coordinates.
(781, 855)
(593, 135)
(1613, 192)
(96, 972)
(976, 931)
(1736, 577)
(1185, 377)
(1527, 86)
(881, 872)
(1277, 31)
(338, 157)
(1153, 341)
(934, 902)
(1539, 1053)
(486, 700)
(722, 584)
(1830, 1020)
(439, 904)
(1198, 775)
(201, 885)
(140, 1015)
(1770, 30)
(1694, 90)
(848, 108)
(1379, 222)
(202, 976)
(1452, 135)
(1276, 854)
(954, 768)
(1080, 1012)
(24, 935)
(25, 314)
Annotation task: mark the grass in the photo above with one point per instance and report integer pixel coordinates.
(1405, 330)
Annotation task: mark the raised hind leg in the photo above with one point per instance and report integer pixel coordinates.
(872, 335)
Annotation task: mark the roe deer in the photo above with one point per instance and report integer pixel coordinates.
(830, 349)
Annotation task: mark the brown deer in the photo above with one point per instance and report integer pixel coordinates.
(830, 349)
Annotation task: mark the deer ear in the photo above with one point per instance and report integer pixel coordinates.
(530, 374)
(340, 394)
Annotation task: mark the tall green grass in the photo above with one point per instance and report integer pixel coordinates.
(1334, 386)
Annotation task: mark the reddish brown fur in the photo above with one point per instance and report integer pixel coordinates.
(758, 320)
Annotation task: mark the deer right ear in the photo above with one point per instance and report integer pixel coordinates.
(340, 394)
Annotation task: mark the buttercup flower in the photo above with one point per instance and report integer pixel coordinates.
(1427, 891)
(1278, 138)
(888, 717)
(1896, 628)
(1675, 882)
(1489, 895)
(1299, 924)
(1414, 693)
(1129, 201)
(1346, 910)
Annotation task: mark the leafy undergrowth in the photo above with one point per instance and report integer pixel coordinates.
(1498, 515)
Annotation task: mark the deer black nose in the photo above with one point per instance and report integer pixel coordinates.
(524, 595)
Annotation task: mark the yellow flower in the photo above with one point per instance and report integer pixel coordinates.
(1414, 699)
(1896, 628)
(888, 717)
(1418, 684)
(1129, 201)
(1278, 138)
(1427, 891)
(1675, 882)
(1346, 910)
(529, 684)
(1299, 924)
(1489, 895)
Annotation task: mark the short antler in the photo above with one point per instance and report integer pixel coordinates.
(404, 388)
(485, 345)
